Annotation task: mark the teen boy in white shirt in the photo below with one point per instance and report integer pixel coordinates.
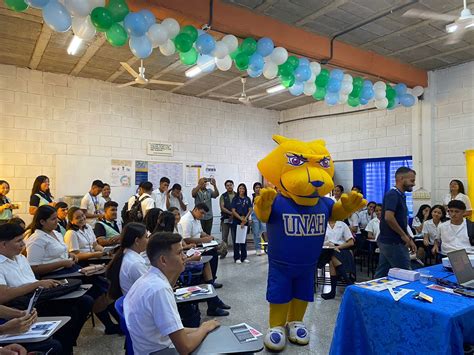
(92, 204)
(150, 307)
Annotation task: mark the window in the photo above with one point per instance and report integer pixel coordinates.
(377, 176)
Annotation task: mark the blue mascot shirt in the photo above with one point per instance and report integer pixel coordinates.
(296, 233)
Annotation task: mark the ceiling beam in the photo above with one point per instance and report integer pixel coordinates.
(167, 69)
(33, 15)
(243, 23)
(418, 45)
(269, 95)
(90, 52)
(237, 78)
(333, 5)
(440, 55)
(40, 46)
(190, 81)
(265, 5)
(288, 100)
(121, 70)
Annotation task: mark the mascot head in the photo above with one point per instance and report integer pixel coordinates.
(301, 171)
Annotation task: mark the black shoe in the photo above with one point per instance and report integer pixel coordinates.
(328, 296)
(222, 305)
(217, 312)
(217, 285)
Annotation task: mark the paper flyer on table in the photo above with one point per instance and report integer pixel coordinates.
(37, 330)
(241, 234)
(381, 284)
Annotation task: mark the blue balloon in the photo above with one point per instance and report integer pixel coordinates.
(56, 16)
(254, 73)
(401, 89)
(367, 84)
(407, 100)
(302, 73)
(265, 46)
(39, 4)
(205, 43)
(337, 74)
(304, 62)
(206, 63)
(331, 98)
(367, 93)
(256, 62)
(141, 47)
(297, 88)
(200, 32)
(150, 19)
(363, 101)
(334, 85)
(135, 24)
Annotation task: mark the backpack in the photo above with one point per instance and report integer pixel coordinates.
(470, 231)
(135, 214)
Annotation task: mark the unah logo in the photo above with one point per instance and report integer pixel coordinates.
(304, 225)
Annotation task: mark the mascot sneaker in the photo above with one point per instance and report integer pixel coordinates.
(297, 333)
(275, 339)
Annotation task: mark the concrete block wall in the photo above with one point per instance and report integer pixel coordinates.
(43, 115)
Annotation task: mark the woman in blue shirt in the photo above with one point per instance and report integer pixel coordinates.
(241, 210)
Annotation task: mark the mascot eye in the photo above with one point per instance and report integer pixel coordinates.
(296, 160)
(325, 163)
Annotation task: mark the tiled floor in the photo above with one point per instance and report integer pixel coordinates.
(244, 290)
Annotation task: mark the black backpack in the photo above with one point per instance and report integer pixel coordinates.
(135, 214)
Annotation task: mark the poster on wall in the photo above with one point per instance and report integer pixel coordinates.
(121, 173)
(210, 171)
(141, 171)
(153, 171)
(193, 174)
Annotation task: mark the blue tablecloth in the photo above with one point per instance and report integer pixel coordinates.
(372, 322)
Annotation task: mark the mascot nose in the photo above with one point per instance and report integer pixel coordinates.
(317, 183)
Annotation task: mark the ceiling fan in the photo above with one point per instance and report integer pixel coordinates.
(140, 77)
(458, 26)
(243, 98)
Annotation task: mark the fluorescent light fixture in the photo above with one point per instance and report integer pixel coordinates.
(74, 45)
(276, 88)
(192, 72)
(452, 27)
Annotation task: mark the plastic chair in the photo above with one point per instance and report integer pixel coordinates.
(123, 326)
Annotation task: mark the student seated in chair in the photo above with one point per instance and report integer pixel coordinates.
(106, 229)
(61, 209)
(150, 307)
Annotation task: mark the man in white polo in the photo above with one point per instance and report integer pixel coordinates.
(150, 307)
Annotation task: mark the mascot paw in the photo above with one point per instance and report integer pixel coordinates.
(297, 333)
(275, 339)
(353, 201)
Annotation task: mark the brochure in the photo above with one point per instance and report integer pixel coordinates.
(37, 330)
(381, 284)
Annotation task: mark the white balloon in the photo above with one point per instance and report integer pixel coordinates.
(224, 64)
(231, 42)
(343, 98)
(346, 87)
(315, 68)
(418, 91)
(220, 51)
(95, 3)
(379, 94)
(172, 26)
(279, 55)
(158, 34)
(347, 78)
(168, 48)
(78, 7)
(309, 88)
(380, 85)
(270, 70)
(313, 77)
(83, 27)
(382, 103)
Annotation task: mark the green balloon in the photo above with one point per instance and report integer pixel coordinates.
(118, 10)
(248, 46)
(116, 35)
(234, 54)
(322, 80)
(190, 57)
(101, 19)
(285, 69)
(320, 93)
(288, 81)
(357, 82)
(191, 32)
(242, 61)
(16, 5)
(293, 61)
(390, 93)
(324, 72)
(353, 102)
(391, 104)
(355, 93)
(183, 42)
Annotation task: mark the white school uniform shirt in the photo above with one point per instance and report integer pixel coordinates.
(374, 227)
(146, 203)
(416, 222)
(15, 272)
(459, 197)
(43, 248)
(191, 227)
(93, 205)
(431, 229)
(160, 199)
(151, 313)
(174, 202)
(354, 221)
(133, 267)
(339, 234)
(454, 237)
(364, 218)
(80, 240)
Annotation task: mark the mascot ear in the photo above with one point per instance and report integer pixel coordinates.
(279, 139)
(318, 142)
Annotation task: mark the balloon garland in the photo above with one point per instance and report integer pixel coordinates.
(196, 47)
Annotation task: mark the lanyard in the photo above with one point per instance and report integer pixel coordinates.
(95, 201)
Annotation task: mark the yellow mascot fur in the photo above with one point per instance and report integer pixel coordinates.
(296, 218)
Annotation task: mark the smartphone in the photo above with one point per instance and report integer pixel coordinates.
(464, 292)
(63, 282)
(34, 299)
